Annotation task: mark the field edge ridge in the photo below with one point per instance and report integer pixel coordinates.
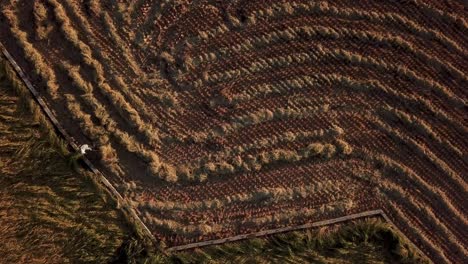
(104, 184)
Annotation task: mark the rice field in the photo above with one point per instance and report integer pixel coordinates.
(215, 119)
(49, 213)
(53, 212)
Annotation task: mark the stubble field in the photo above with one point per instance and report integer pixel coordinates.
(222, 118)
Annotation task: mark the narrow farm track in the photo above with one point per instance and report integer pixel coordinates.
(216, 119)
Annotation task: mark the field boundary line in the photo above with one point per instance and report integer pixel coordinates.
(369, 213)
(400, 233)
(280, 230)
(125, 207)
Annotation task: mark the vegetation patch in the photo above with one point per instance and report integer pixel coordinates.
(214, 119)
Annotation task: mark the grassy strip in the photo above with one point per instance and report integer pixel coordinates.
(312, 246)
(367, 241)
(49, 213)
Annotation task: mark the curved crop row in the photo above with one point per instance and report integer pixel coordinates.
(321, 53)
(287, 216)
(261, 116)
(273, 140)
(420, 126)
(387, 184)
(107, 123)
(97, 133)
(437, 195)
(263, 195)
(216, 119)
(123, 108)
(258, 161)
(421, 150)
(323, 8)
(303, 82)
(308, 32)
(35, 57)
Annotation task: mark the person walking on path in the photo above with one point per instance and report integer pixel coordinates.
(82, 149)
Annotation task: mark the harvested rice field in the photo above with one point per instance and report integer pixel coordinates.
(214, 119)
(49, 213)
